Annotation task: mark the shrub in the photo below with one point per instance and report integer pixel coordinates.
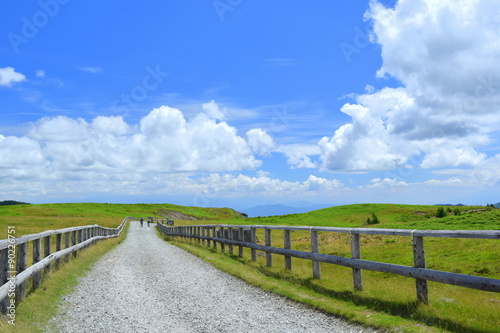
(373, 220)
(441, 212)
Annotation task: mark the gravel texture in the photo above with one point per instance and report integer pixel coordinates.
(148, 285)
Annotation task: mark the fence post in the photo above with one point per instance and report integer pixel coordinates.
(47, 244)
(241, 239)
(288, 246)
(230, 237)
(315, 249)
(222, 245)
(357, 274)
(37, 256)
(58, 248)
(22, 264)
(269, 255)
(67, 237)
(203, 240)
(4, 268)
(214, 234)
(419, 260)
(253, 238)
(73, 241)
(207, 233)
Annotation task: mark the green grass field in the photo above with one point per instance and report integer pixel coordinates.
(387, 301)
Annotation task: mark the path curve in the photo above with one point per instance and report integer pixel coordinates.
(148, 285)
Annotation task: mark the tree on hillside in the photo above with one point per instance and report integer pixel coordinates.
(441, 212)
(12, 202)
(373, 220)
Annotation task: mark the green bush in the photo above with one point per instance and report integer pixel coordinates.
(441, 212)
(373, 220)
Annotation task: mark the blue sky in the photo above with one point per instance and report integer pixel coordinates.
(239, 103)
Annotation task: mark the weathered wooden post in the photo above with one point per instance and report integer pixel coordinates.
(22, 264)
(253, 239)
(4, 268)
(222, 245)
(214, 234)
(315, 249)
(37, 256)
(207, 233)
(47, 244)
(67, 236)
(419, 261)
(357, 274)
(73, 241)
(241, 239)
(203, 240)
(269, 255)
(58, 248)
(287, 246)
(230, 237)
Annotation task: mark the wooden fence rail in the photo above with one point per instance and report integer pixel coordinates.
(14, 270)
(245, 236)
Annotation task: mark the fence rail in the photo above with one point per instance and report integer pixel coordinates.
(14, 270)
(245, 236)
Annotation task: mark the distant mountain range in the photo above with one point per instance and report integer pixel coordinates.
(270, 210)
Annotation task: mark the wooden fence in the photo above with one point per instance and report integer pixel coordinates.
(245, 236)
(14, 270)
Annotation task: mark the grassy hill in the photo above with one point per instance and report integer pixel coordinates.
(392, 216)
(30, 219)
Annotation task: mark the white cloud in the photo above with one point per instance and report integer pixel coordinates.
(386, 182)
(264, 184)
(40, 73)
(213, 111)
(9, 76)
(260, 142)
(299, 155)
(91, 70)
(445, 54)
(163, 142)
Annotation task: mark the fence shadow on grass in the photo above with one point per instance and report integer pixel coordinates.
(407, 310)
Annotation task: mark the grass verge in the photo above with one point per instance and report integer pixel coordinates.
(34, 312)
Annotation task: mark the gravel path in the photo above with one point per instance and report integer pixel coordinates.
(148, 285)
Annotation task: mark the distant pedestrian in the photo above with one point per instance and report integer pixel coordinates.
(149, 221)
(142, 220)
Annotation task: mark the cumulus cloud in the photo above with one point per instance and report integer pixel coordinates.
(213, 111)
(9, 76)
(164, 141)
(259, 141)
(264, 184)
(445, 54)
(299, 155)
